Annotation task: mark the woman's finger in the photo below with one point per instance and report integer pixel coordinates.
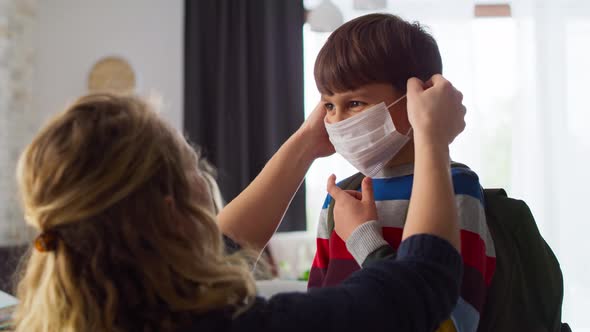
(414, 86)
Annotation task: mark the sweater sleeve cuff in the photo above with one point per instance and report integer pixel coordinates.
(434, 249)
(365, 239)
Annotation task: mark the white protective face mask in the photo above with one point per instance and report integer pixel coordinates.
(368, 140)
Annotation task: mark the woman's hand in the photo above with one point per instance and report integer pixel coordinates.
(352, 208)
(254, 215)
(313, 134)
(435, 110)
(437, 114)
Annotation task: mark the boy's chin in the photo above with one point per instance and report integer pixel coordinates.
(404, 156)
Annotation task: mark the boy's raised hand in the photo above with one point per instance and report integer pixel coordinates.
(352, 208)
(435, 110)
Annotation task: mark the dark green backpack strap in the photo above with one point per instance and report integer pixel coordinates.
(350, 183)
(494, 192)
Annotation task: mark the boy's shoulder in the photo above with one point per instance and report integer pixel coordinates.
(466, 181)
(461, 171)
(385, 188)
(398, 181)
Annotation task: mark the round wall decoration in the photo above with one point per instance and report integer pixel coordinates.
(111, 74)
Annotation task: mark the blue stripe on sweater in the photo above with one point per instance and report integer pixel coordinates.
(465, 182)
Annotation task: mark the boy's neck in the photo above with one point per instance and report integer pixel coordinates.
(404, 156)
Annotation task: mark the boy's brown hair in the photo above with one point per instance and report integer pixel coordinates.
(376, 48)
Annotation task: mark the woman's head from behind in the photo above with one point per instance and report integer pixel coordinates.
(130, 239)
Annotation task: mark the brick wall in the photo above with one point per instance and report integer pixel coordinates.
(17, 121)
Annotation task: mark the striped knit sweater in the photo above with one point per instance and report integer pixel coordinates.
(334, 261)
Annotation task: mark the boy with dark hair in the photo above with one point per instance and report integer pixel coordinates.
(361, 73)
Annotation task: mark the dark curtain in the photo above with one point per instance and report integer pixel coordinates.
(244, 87)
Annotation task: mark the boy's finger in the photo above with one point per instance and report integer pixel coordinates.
(367, 187)
(356, 194)
(414, 85)
(333, 189)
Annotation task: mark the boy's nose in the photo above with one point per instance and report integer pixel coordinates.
(337, 116)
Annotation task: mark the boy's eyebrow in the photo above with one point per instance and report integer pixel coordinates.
(348, 94)
(355, 93)
(360, 93)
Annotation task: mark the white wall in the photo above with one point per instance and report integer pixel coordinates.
(74, 34)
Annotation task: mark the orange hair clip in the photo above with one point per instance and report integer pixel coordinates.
(46, 241)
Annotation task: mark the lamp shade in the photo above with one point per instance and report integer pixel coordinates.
(326, 17)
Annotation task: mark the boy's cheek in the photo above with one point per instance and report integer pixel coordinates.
(337, 117)
(329, 119)
(400, 120)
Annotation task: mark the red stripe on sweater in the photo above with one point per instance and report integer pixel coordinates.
(472, 249)
(338, 248)
(393, 236)
(321, 258)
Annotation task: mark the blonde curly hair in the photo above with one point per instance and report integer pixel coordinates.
(137, 246)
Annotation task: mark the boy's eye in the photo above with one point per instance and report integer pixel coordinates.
(329, 106)
(356, 104)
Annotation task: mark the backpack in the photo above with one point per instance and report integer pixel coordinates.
(526, 292)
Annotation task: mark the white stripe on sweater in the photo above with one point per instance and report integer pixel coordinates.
(392, 213)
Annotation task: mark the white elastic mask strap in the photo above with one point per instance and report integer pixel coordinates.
(397, 101)
(410, 131)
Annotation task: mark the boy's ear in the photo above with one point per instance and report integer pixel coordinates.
(399, 115)
(169, 201)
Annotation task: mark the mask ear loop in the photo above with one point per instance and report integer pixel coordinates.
(396, 101)
(255, 265)
(410, 131)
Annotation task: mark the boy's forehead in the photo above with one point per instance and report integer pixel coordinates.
(364, 90)
(357, 91)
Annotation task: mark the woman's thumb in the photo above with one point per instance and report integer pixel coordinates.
(414, 85)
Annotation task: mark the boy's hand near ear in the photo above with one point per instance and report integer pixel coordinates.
(352, 208)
